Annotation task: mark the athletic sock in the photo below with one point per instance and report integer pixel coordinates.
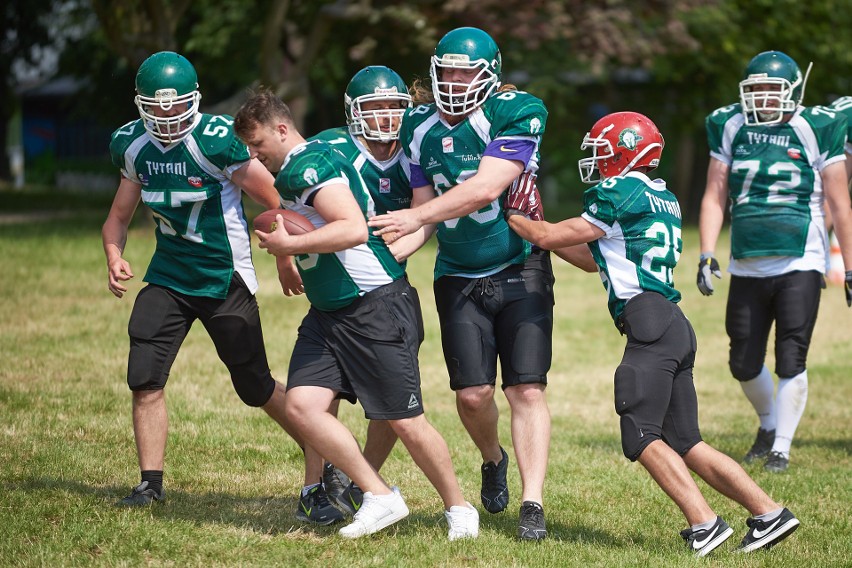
(760, 393)
(770, 516)
(154, 478)
(792, 397)
(307, 488)
(704, 526)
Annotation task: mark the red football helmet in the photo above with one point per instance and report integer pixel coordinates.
(620, 142)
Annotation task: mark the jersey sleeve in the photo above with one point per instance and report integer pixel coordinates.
(830, 128)
(599, 210)
(518, 115)
(311, 169)
(412, 118)
(219, 144)
(120, 141)
(843, 105)
(715, 126)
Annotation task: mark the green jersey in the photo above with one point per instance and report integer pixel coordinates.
(201, 230)
(775, 186)
(843, 105)
(642, 243)
(333, 280)
(388, 182)
(481, 243)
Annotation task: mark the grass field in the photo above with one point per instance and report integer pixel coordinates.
(67, 451)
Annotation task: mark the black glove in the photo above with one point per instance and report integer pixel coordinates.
(707, 266)
(848, 286)
(523, 198)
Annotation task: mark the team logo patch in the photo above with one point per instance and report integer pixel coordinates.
(194, 181)
(794, 153)
(593, 208)
(447, 144)
(629, 138)
(535, 126)
(143, 179)
(311, 176)
(384, 185)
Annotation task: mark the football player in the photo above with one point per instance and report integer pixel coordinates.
(471, 139)
(188, 168)
(361, 336)
(633, 226)
(843, 105)
(774, 162)
(374, 102)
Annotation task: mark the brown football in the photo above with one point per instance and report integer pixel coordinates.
(295, 223)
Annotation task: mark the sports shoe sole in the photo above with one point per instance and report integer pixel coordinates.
(773, 537)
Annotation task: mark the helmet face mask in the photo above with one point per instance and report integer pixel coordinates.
(772, 87)
(620, 142)
(465, 48)
(376, 84)
(165, 82)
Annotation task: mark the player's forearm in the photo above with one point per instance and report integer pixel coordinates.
(578, 255)
(843, 231)
(536, 232)
(710, 223)
(114, 237)
(404, 247)
(464, 199)
(334, 237)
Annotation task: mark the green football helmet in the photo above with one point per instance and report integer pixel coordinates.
(376, 83)
(772, 86)
(165, 80)
(465, 48)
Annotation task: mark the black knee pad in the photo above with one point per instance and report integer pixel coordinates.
(790, 363)
(253, 386)
(628, 398)
(743, 371)
(239, 343)
(532, 349)
(634, 439)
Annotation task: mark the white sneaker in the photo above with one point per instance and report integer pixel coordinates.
(463, 521)
(376, 513)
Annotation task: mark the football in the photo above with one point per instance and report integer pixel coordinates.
(295, 223)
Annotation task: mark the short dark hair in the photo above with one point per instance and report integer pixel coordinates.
(263, 107)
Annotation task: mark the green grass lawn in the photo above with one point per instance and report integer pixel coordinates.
(67, 451)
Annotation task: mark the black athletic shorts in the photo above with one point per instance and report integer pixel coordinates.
(161, 319)
(790, 300)
(365, 351)
(654, 389)
(507, 315)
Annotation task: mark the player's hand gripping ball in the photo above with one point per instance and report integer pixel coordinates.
(295, 223)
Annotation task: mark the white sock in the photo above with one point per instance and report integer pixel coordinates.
(770, 516)
(792, 397)
(760, 392)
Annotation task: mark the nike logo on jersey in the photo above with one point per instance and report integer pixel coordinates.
(699, 544)
(762, 533)
(504, 149)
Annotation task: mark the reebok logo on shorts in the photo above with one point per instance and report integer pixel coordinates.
(412, 402)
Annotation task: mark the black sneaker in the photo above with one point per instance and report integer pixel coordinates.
(142, 495)
(495, 490)
(776, 463)
(766, 534)
(315, 508)
(334, 480)
(762, 445)
(703, 542)
(350, 500)
(531, 525)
